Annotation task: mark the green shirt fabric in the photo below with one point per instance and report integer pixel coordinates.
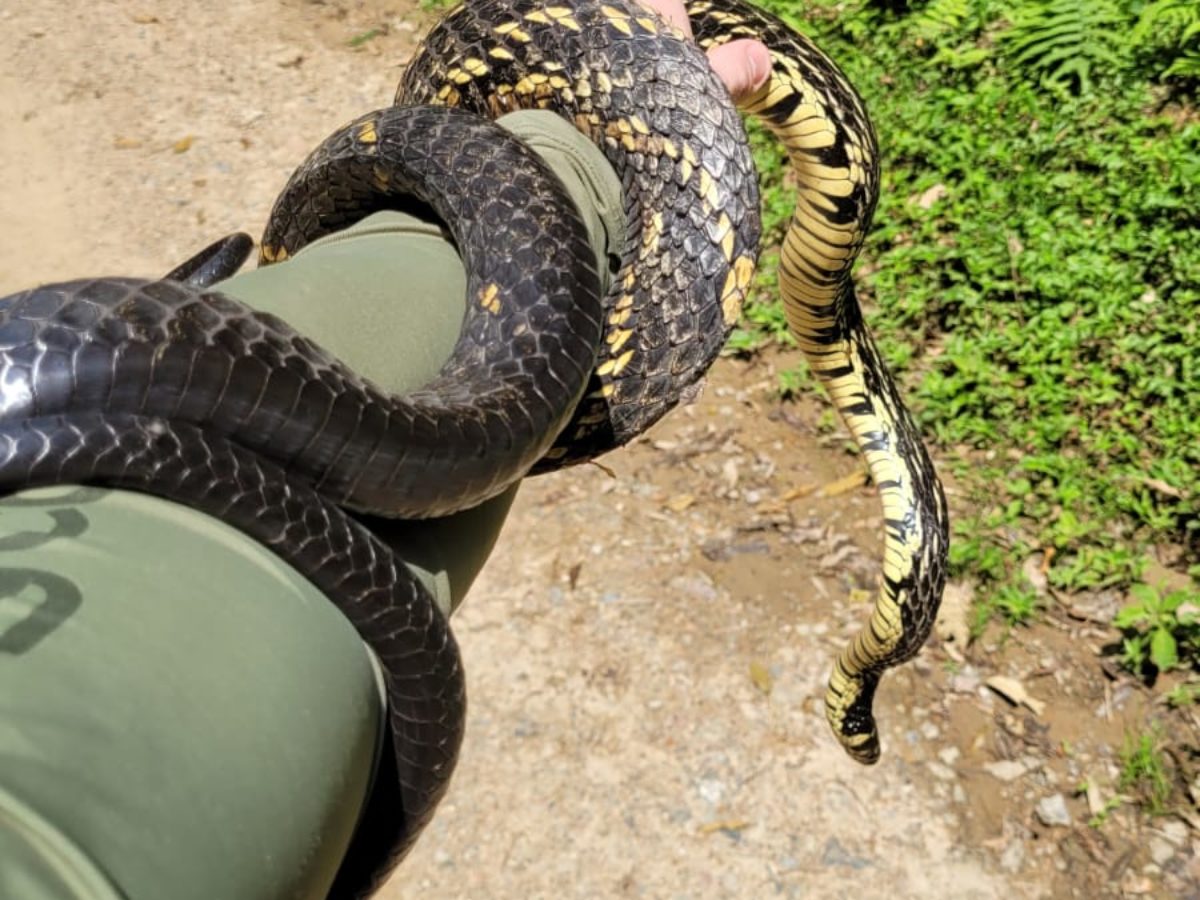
(181, 714)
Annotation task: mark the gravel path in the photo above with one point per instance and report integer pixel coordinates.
(646, 652)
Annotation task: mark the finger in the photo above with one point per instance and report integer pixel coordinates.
(743, 65)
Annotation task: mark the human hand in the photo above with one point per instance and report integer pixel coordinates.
(744, 65)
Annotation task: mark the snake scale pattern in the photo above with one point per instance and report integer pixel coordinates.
(172, 389)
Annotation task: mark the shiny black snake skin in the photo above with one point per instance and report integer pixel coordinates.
(167, 388)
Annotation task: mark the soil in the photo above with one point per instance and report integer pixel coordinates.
(646, 650)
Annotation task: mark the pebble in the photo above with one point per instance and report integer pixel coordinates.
(837, 855)
(1053, 811)
(965, 682)
(942, 773)
(1161, 850)
(949, 755)
(711, 789)
(930, 731)
(697, 586)
(1013, 856)
(1175, 831)
(1005, 769)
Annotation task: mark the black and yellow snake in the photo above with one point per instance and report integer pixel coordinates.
(167, 388)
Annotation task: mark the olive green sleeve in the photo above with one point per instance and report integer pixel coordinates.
(180, 711)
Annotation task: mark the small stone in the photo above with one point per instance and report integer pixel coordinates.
(837, 855)
(1013, 856)
(949, 755)
(930, 731)
(711, 789)
(964, 683)
(1005, 769)
(525, 728)
(1161, 850)
(1175, 831)
(940, 772)
(1052, 811)
(697, 586)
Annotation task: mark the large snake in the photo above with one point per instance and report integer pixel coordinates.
(169, 388)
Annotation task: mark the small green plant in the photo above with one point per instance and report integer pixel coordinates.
(1161, 629)
(1111, 805)
(1184, 694)
(1107, 809)
(362, 39)
(1144, 771)
(795, 382)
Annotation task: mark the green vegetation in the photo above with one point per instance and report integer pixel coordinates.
(1144, 771)
(1161, 629)
(1034, 276)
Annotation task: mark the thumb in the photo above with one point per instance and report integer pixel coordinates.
(743, 65)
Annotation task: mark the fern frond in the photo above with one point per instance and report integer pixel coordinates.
(939, 18)
(1061, 39)
(1166, 20)
(1185, 66)
(1168, 32)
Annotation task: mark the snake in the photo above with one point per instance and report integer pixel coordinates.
(170, 387)
(496, 56)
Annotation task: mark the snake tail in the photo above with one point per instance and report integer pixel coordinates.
(821, 121)
(216, 262)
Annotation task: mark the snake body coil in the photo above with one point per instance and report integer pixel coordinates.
(591, 64)
(166, 388)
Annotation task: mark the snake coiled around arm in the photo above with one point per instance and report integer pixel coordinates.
(178, 391)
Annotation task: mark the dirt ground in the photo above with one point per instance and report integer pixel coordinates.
(647, 648)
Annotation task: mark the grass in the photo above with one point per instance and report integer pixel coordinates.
(1043, 312)
(1144, 772)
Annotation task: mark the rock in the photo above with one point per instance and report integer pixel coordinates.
(941, 772)
(711, 789)
(1005, 769)
(1013, 856)
(965, 682)
(696, 585)
(949, 755)
(1052, 811)
(1161, 850)
(837, 855)
(1175, 831)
